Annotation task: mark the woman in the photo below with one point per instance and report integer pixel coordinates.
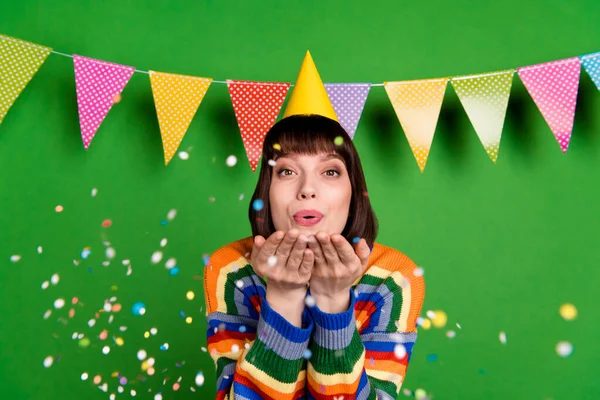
(310, 306)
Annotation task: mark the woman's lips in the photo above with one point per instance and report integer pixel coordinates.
(307, 221)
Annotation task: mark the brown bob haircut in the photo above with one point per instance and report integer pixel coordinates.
(313, 134)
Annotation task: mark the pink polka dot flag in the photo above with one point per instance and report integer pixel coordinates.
(553, 87)
(177, 98)
(19, 62)
(417, 105)
(485, 99)
(348, 100)
(256, 106)
(97, 82)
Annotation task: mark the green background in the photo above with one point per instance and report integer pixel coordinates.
(502, 246)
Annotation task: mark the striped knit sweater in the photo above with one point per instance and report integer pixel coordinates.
(361, 353)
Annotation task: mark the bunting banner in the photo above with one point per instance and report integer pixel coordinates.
(591, 63)
(553, 87)
(485, 100)
(417, 105)
(256, 106)
(99, 85)
(348, 100)
(177, 98)
(19, 62)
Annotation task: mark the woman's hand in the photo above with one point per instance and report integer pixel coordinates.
(286, 264)
(337, 266)
(284, 260)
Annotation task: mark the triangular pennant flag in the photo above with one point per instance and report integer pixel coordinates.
(177, 98)
(591, 63)
(348, 100)
(256, 106)
(417, 105)
(485, 99)
(553, 87)
(99, 85)
(19, 61)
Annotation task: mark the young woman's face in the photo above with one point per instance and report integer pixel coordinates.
(311, 193)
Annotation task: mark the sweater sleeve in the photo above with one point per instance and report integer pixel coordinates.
(257, 353)
(366, 358)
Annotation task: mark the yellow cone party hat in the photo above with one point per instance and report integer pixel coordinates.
(309, 95)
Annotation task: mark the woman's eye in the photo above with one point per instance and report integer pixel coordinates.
(280, 172)
(332, 170)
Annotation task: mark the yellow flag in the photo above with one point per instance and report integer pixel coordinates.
(177, 98)
(417, 105)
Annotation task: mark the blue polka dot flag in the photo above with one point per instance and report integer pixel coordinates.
(591, 63)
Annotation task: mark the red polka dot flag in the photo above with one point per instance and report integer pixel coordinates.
(256, 106)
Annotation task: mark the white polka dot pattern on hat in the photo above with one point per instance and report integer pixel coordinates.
(256, 106)
(553, 87)
(177, 98)
(485, 99)
(97, 82)
(19, 61)
(417, 105)
(591, 63)
(348, 100)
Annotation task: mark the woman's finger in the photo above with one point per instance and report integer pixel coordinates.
(363, 252)
(306, 267)
(269, 247)
(344, 249)
(331, 254)
(319, 257)
(285, 247)
(296, 254)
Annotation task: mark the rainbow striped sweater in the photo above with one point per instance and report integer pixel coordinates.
(361, 353)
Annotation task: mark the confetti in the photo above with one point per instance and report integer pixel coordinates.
(439, 319)
(110, 253)
(174, 271)
(171, 214)
(271, 261)
(59, 303)
(241, 197)
(188, 320)
(502, 337)
(163, 242)
(141, 355)
(138, 308)
(84, 376)
(206, 259)
(568, 311)
(156, 257)
(164, 347)
(116, 98)
(84, 342)
(59, 208)
(418, 271)
(338, 141)
(153, 331)
(171, 262)
(54, 279)
(272, 163)
(94, 192)
(277, 146)
(48, 361)
(199, 379)
(106, 350)
(310, 301)
(40, 249)
(564, 349)
(451, 334)
(85, 253)
(400, 351)
(190, 295)
(184, 155)
(258, 204)
(106, 223)
(97, 379)
(45, 285)
(231, 161)
(15, 258)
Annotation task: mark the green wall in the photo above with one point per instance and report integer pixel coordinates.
(502, 246)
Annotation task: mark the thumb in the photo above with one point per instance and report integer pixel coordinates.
(259, 241)
(363, 252)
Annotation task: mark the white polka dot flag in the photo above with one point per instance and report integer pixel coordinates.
(256, 106)
(99, 85)
(348, 100)
(417, 105)
(553, 87)
(177, 98)
(591, 63)
(485, 99)
(19, 62)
